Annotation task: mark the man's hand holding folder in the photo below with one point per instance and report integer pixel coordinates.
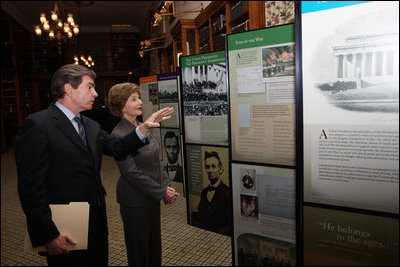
(60, 245)
(72, 221)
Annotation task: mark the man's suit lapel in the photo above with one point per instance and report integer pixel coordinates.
(65, 126)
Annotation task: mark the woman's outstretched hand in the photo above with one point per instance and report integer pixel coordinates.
(154, 120)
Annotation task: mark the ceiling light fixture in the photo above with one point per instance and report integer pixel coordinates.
(82, 59)
(55, 27)
(87, 61)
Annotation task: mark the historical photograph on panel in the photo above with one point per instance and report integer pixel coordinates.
(205, 91)
(255, 250)
(209, 188)
(204, 94)
(153, 93)
(173, 122)
(248, 181)
(168, 97)
(168, 88)
(147, 87)
(278, 60)
(249, 206)
(172, 158)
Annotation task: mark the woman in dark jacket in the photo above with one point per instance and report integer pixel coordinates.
(142, 184)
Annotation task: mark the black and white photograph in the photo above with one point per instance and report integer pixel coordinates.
(167, 88)
(249, 206)
(248, 180)
(153, 93)
(209, 188)
(171, 145)
(255, 250)
(205, 90)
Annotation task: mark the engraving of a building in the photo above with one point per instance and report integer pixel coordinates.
(371, 58)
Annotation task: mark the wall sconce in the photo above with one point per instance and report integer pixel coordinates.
(158, 16)
(147, 43)
(141, 52)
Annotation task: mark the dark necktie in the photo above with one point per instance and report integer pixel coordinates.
(210, 192)
(211, 188)
(172, 168)
(81, 129)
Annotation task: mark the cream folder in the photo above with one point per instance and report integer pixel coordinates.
(71, 219)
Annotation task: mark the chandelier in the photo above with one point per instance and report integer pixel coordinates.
(55, 28)
(89, 62)
(82, 59)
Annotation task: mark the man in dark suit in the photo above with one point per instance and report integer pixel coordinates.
(215, 209)
(58, 154)
(172, 148)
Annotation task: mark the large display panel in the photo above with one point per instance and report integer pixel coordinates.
(209, 202)
(343, 238)
(204, 98)
(350, 103)
(264, 215)
(262, 95)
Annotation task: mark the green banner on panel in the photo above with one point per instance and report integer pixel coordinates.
(276, 35)
(203, 59)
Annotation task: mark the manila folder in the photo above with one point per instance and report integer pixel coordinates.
(71, 219)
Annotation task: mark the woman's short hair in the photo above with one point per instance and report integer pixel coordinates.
(119, 94)
(70, 73)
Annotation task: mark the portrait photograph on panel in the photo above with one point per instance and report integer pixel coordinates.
(172, 157)
(209, 188)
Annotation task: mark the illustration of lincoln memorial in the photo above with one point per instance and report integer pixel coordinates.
(372, 58)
